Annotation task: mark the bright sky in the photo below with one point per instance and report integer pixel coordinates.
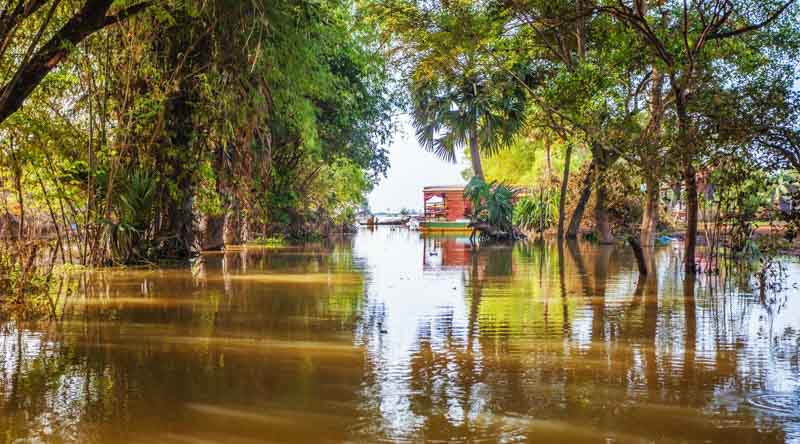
(412, 168)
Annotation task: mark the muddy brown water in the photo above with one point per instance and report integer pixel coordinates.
(393, 337)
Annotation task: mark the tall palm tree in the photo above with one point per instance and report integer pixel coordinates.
(456, 107)
(461, 96)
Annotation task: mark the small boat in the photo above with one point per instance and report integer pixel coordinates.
(389, 220)
(434, 226)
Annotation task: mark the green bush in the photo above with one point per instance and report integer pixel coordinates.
(491, 203)
(537, 211)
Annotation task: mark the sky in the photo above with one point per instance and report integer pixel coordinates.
(412, 168)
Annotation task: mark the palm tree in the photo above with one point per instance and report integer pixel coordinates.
(461, 96)
(454, 108)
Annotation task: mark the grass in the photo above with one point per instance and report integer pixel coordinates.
(269, 242)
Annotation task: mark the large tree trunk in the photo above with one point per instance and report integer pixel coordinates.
(690, 179)
(652, 163)
(691, 216)
(583, 200)
(562, 199)
(474, 151)
(602, 224)
(180, 133)
(212, 233)
(233, 225)
(651, 213)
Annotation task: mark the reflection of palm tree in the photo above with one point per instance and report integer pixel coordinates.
(475, 302)
(468, 371)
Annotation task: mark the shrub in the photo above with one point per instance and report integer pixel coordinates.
(537, 211)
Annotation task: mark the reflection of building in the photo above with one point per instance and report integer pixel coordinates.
(446, 208)
(441, 252)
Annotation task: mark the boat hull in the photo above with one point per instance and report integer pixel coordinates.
(445, 226)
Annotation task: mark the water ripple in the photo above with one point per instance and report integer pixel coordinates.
(784, 404)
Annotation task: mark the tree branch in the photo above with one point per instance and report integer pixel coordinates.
(88, 20)
(128, 12)
(749, 28)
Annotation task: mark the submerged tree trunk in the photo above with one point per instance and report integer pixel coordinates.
(580, 208)
(474, 151)
(562, 199)
(691, 217)
(690, 179)
(650, 216)
(638, 253)
(602, 224)
(213, 233)
(652, 160)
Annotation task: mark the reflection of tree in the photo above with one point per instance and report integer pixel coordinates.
(577, 259)
(476, 290)
(690, 337)
(444, 375)
(138, 345)
(563, 287)
(649, 324)
(486, 364)
(598, 293)
(499, 261)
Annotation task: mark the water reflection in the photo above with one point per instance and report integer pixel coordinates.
(393, 337)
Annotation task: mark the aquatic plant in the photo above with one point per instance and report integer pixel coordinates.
(271, 241)
(128, 234)
(24, 279)
(537, 211)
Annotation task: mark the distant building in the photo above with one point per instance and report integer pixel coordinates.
(445, 208)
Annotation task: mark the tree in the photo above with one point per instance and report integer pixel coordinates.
(24, 25)
(584, 71)
(276, 130)
(459, 97)
(678, 36)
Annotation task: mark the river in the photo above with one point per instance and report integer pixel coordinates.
(394, 337)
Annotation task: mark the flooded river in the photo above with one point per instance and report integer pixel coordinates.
(392, 337)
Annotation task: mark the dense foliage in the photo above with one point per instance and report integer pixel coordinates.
(167, 127)
(134, 130)
(641, 100)
(492, 205)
